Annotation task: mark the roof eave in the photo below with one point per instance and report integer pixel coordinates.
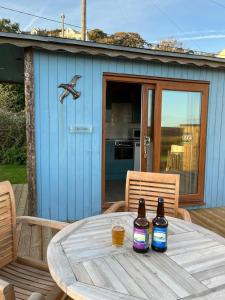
(97, 49)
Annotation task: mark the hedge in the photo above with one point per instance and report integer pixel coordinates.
(12, 137)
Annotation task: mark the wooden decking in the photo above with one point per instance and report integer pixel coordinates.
(20, 192)
(33, 240)
(210, 218)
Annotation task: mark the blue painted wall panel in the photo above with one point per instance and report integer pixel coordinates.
(71, 158)
(44, 136)
(53, 139)
(69, 164)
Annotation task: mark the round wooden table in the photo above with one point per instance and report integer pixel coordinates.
(85, 265)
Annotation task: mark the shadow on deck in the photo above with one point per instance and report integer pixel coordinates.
(33, 240)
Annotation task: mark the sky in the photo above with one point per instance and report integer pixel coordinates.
(198, 24)
(188, 108)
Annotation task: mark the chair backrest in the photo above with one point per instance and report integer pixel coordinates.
(150, 186)
(7, 224)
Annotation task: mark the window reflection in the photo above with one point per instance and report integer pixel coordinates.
(180, 133)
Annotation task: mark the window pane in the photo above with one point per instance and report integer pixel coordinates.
(180, 133)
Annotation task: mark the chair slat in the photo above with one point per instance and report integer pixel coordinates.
(150, 186)
(30, 277)
(145, 189)
(6, 259)
(152, 203)
(153, 184)
(7, 224)
(23, 269)
(4, 197)
(149, 198)
(152, 193)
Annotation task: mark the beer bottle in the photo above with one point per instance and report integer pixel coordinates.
(141, 230)
(159, 230)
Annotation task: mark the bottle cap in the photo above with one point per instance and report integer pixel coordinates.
(141, 201)
(160, 200)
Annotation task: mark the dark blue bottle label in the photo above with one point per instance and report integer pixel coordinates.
(159, 237)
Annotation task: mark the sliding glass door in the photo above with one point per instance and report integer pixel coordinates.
(180, 137)
(173, 134)
(154, 125)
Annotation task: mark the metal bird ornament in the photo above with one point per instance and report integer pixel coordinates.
(70, 88)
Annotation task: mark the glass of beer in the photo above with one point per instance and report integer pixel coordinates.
(118, 233)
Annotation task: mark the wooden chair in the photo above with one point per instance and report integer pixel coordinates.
(21, 278)
(150, 186)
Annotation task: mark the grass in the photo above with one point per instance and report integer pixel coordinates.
(13, 173)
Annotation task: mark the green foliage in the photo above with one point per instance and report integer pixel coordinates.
(12, 137)
(169, 45)
(12, 124)
(13, 173)
(96, 35)
(12, 97)
(127, 39)
(7, 26)
(132, 39)
(13, 155)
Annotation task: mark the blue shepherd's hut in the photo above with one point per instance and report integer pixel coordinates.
(95, 111)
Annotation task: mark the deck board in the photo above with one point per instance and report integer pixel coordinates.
(210, 218)
(20, 192)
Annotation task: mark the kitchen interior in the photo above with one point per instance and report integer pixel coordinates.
(123, 127)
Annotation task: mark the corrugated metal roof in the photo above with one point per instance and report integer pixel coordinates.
(91, 48)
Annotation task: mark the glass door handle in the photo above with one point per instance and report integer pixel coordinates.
(147, 141)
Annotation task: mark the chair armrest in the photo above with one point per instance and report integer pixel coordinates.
(114, 207)
(34, 263)
(36, 296)
(184, 214)
(6, 290)
(41, 222)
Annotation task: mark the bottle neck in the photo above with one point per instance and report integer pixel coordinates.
(141, 209)
(160, 209)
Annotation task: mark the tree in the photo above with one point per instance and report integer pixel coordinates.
(127, 39)
(96, 35)
(7, 26)
(12, 97)
(169, 45)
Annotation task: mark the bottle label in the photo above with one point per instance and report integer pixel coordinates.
(159, 237)
(141, 238)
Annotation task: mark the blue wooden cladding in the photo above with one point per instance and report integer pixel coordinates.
(69, 164)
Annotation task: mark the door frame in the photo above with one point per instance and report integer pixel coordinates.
(160, 84)
(144, 119)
